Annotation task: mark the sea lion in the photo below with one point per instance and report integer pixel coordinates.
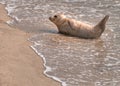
(76, 28)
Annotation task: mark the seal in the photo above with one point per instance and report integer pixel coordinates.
(77, 28)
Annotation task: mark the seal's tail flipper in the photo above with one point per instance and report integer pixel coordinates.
(101, 24)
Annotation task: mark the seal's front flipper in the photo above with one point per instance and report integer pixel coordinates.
(72, 24)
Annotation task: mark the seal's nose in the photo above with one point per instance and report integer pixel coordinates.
(50, 18)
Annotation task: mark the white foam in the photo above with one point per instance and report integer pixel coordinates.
(37, 7)
(10, 10)
(36, 43)
(10, 21)
(47, 68)
(2, 2)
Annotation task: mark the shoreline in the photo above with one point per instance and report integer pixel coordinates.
(19, 64)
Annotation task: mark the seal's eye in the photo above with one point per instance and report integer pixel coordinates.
(55, 16)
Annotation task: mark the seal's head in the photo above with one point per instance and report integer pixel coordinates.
(57, 19)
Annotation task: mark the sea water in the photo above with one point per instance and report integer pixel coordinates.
(70, 60)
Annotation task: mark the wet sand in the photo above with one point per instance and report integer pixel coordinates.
(19, 64)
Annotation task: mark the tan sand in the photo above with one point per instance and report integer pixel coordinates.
(19, 64)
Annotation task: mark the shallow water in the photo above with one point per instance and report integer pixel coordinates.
(70, 60)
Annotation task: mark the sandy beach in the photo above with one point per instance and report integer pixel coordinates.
(19, 64)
